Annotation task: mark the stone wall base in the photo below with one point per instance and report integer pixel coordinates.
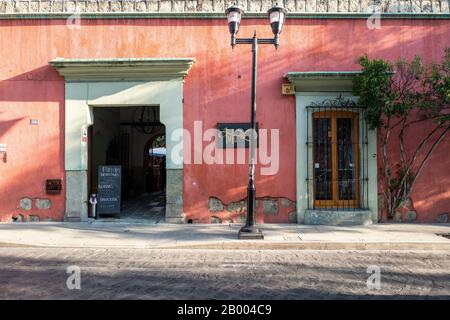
(174, 196)
(338, 218)
(76, 196)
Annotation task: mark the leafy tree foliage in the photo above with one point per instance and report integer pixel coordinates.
(400, 99)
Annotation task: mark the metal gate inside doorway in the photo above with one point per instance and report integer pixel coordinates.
(337, 168)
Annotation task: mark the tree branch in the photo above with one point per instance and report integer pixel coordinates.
(416, 153)
(427, 156)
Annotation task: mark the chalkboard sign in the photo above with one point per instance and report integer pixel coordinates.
(109, 190)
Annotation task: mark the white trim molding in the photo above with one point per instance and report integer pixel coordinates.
(315, 87)
(93, 83)
(123, 69)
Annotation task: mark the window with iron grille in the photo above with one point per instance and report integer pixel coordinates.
(337, 168)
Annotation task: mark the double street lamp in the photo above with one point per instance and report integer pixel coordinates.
(277, 15)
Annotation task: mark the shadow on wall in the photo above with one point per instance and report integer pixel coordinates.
(222, 75)
(6, 125)
(35, 151)
(22, 189)
(317, 46)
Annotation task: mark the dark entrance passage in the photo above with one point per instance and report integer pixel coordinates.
(133, 138)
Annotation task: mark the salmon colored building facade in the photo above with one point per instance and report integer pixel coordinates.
(59, 68)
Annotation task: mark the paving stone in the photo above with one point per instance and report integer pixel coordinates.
(411, 215)
(25, 204)
(322, 5)
(207, 5)
(34, 6)
(128, 5)
(267, 4)
(70, 6)
(255, 6)
(103, 6)
(442, 218)
(215, 205)
(292, 217)
(286, 203)
(191, 5)
(19, 218)
(242, 218)
(407, 203)
(220, 5)
(165, 6)
(178, 6)
(116, 274)
(215, 219)
(115, 7)
(381, 202)
(239, 206)
(33, 218)
(141, 6)
(333, 5)
(270, 206)
(43, 203)
(57, 6)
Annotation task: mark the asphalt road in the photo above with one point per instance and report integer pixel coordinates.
(41, 273)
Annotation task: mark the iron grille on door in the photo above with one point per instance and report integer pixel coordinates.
(337, 168)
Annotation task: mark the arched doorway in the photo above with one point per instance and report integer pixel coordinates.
(155, 164)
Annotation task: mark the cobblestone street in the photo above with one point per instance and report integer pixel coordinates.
(40, 273)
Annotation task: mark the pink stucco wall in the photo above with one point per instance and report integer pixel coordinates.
(216, 90)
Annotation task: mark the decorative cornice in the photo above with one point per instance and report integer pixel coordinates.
(321, 75)
(338, 102)
(322, 80)
(123, 69)
(21, 8)
(216, 15)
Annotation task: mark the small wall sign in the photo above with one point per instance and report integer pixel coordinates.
(84, 135)
(3, 152)
(287, 88)
(235, 135)
(53, 186)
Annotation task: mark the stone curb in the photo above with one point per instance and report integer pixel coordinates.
(253, 245)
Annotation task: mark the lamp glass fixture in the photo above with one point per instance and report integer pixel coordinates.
(234, 14)
(277, 15)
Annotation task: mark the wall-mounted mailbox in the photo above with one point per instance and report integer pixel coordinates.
(53, 186)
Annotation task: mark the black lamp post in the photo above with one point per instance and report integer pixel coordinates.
(277, 15)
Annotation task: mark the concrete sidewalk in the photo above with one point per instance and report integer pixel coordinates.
(100, 234)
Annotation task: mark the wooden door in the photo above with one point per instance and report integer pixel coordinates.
(335, 159)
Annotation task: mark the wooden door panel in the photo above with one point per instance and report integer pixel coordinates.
(335, 159)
